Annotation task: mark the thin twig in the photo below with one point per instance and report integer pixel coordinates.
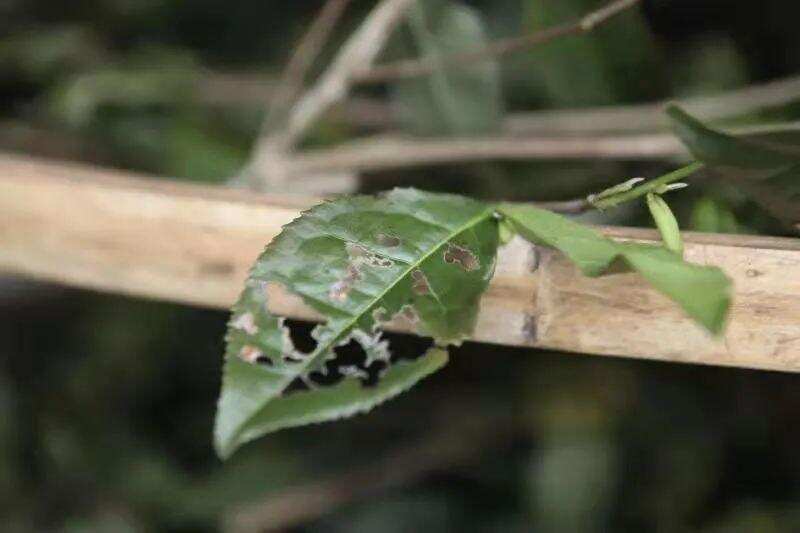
(380, 153)
(426, 65)
(566, 207)
(649, 186)
(244, 89)
(304, 56)
(360, 49)
(650, 117)
(581, 205)
(383, 153)
(271, 151)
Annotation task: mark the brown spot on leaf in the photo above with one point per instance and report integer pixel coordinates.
(355, 250)
(419, 283)
(359, 257)
(389, 241)
(341, 289)
(246, 323)
(462, 257)
(251, 354)
(381, 315)
(378, 261)
(409, 314)
(753, 273)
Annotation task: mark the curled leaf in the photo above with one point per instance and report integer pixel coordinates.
(703, 292)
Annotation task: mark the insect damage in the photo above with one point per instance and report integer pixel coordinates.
(462, 257)
(359, 257)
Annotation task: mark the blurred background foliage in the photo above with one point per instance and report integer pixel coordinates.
(106, 403)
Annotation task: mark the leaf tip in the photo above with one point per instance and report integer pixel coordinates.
(226, 441)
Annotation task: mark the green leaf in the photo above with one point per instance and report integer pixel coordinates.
(767, 165)
(666, 223)
(703, 292)
(712, 215)
(359, 261)
(460, 99)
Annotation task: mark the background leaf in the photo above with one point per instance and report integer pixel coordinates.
(767, 166)
(359, 261)
(459, 99)
(703, 292)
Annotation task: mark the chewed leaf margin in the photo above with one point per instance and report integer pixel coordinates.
(360, 261)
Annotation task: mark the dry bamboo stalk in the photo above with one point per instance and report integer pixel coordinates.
(123, 233)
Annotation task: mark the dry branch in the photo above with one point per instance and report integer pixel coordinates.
(273, 147)
(388, 152)
(650, 117)
(123, 233)
(304, 56)
(382, 152)
(245, 89)
(410, 68)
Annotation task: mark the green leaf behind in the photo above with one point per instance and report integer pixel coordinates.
(703, 292)
(359, 261)
(462, 99)
(767, 166)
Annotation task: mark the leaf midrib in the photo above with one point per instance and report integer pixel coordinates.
(324, 348)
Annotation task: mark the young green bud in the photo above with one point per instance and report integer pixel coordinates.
(666, 223)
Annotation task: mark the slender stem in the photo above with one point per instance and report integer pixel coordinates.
(303, 57)
(649, 186)
(566, 207)
(266, 167)
(408, 68)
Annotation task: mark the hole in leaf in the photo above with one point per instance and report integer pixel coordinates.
(264, 360)
(298, 385)
(380, 316)
(351, 360)
(408, 347)
(300, 335)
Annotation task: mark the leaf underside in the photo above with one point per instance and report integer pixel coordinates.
(359, 261)
(766, 166)
(703, 292)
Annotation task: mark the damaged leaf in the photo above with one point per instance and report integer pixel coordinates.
(358, 261)
(703, 292)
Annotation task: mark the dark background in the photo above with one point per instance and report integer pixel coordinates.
(107, 403)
